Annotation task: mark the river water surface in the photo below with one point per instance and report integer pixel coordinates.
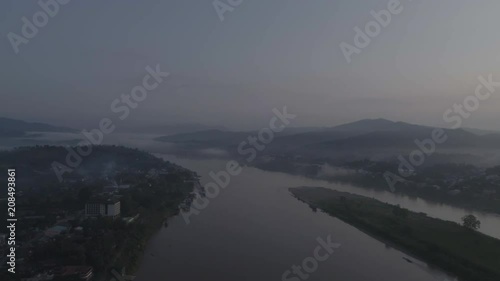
(255, 230)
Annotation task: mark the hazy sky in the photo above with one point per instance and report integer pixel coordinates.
(264, 54)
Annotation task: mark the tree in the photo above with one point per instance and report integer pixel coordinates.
(84, 195)
(471, 222)
(400, 212)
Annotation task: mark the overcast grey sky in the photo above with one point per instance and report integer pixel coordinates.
(264, 54)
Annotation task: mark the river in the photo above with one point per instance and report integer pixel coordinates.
(255, 230)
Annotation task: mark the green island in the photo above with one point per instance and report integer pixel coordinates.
(460, 185)
(454, 248)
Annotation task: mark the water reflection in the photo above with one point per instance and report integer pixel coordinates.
(254, 230)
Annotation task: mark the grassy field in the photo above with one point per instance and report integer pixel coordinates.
(468, 254)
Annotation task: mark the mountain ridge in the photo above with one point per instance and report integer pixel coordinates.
(18, 128)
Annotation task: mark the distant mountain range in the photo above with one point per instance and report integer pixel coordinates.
(361, 137)
(381, 133)
(17, 128)
(170, 129)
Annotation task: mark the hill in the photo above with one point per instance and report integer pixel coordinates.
(18, 128)
(379, 138)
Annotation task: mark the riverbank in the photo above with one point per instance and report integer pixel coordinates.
(150, 221)
(408, 189)
(436, 192)
(468, 254)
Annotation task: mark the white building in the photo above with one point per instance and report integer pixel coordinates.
(109, 207)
